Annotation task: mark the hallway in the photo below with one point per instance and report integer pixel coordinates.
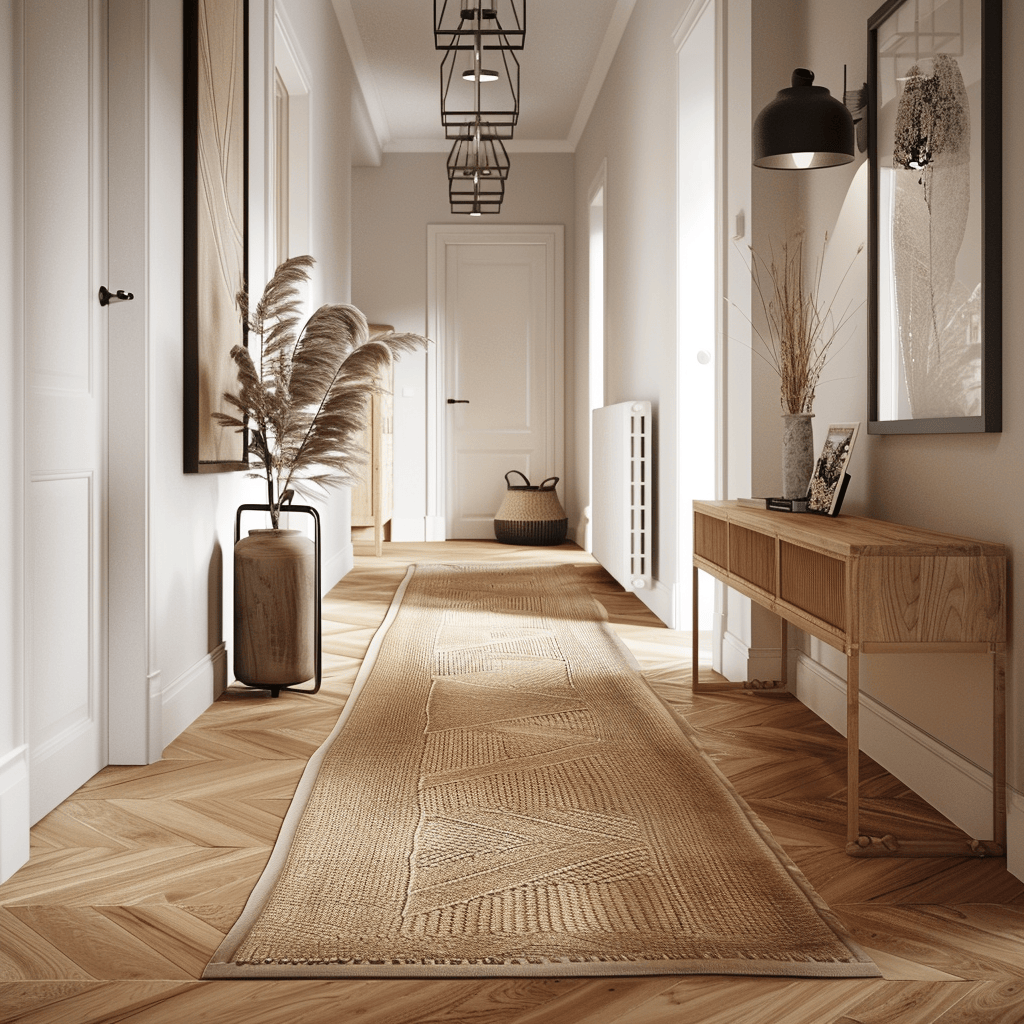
(135, 878)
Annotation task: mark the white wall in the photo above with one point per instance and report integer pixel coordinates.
(14, 812)
(391, 208)
(633, 128)
(180, 568)
(928, 719)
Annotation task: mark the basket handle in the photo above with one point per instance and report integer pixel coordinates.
(552, 487)
(510, 472)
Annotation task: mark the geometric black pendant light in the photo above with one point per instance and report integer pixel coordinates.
(479, 97)
(804, 126)
(497, 24)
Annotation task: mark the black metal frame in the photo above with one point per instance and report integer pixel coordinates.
(192, 379)
(276, 688)
(452, 30)
(460, 112)
(990, 418)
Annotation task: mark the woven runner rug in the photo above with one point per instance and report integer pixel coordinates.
(505, 795)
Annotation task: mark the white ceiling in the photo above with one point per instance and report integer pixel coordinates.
(569, 47)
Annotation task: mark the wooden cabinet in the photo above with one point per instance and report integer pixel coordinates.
(865, 587)
(373, 497)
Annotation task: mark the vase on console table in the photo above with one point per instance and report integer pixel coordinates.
(797, 453)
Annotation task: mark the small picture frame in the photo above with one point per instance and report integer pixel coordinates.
(828, 480)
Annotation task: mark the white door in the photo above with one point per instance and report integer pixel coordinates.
(502, 400)
(65, 401)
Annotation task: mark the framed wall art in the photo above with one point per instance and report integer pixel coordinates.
(215, 231)
(935, 303)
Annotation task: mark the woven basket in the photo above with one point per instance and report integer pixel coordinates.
(530, 514)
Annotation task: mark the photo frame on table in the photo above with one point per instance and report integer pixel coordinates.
(216, 175)
(829, 477)
(935, 237)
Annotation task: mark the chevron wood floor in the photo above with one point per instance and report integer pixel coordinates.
(135, 878)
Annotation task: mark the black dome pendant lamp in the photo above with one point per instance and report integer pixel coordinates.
(804, 126)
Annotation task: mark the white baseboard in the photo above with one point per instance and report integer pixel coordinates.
(658, 598)
(951, 783)
(14, 811)
(408, 529)
(184, 700)
(336, 567)
(741, 663)
(434, 528)
(1015, 833)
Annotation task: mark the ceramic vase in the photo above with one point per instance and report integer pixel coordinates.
(275, 608)
(797, 454)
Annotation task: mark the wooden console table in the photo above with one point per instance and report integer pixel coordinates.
(867, 587)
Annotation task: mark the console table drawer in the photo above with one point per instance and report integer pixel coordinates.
(813, 582)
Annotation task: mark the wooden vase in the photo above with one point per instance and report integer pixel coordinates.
(275, 608)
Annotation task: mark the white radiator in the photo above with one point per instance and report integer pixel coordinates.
(621, 528)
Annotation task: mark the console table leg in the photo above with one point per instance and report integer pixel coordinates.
(784, 667)
(852, 747)
(694, 669)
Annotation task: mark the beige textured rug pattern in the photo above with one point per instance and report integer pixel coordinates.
(505, 795)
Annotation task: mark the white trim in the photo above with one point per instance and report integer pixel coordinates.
(688, 21)
(950, 782)
(439, 237)
(337, 567)
(661, 600)
(364, 72)
(14, 811)
(599, 72)
(408, 529)
(741, 662)
(1015, 833)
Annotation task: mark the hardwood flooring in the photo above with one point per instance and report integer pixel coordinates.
(134, 879)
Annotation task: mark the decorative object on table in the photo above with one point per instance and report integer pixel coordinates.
(830, 480)
(302, 403)
(801, 331)
(935, 146)
(215, 193)
(506, 796)
(530, 514)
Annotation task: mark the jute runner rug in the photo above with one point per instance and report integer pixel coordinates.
(505, 795)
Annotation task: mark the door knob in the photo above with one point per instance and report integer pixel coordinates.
(458, 401)
(107, 296)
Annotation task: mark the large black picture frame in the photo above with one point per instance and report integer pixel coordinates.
(944, 332)
(216, 243)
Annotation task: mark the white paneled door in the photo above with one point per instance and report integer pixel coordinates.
(501, 401)
(65, 401)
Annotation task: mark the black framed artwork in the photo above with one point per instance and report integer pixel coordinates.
(935, 239)
(216, 229)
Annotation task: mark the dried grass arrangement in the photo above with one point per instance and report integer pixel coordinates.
(801, 329)
(304, 400)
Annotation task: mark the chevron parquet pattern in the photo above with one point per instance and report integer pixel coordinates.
(134, 880)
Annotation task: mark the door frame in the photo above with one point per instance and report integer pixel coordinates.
(439, 238)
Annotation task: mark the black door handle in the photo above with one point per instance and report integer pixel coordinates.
(458, 401)
(107, 296)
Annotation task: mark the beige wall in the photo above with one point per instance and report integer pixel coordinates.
(391, 208)
(969, 484)
(632, 131)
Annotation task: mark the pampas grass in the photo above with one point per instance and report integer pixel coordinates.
(801, 329)
(304, 401)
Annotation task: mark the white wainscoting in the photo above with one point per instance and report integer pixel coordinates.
(951, 783)
(14, 812)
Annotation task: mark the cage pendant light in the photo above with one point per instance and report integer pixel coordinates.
(471, 92)
(501, 24)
